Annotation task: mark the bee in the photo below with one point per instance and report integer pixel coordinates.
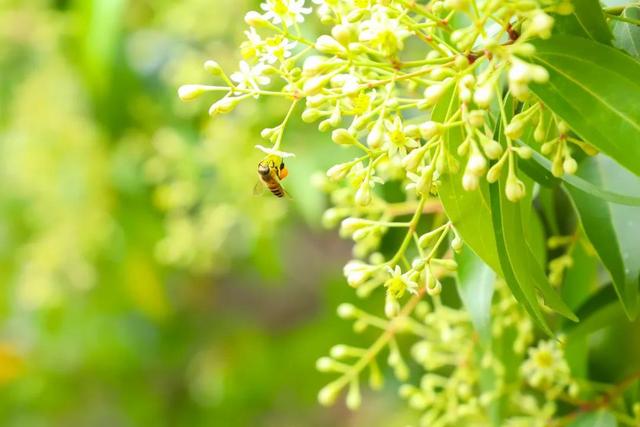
(271, 171)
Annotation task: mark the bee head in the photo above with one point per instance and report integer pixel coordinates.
(263, 169)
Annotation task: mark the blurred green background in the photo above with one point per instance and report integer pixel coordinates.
(141, 282)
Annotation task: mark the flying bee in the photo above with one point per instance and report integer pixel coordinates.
(271, 171)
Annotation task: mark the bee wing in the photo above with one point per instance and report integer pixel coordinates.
(258, 189)
(286, 194)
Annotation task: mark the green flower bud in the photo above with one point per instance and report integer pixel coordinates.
(363, 195)
(570, 166)
(310, 115)
(329, 393)
(327, 44)
(354, 399)
(376, 136)
(343, 137)
(191, 92)
(213, 67)
(341, 33)
(429, 129)
(347, 311)
(254, 19)
(470, 182)
(514, 190)
(483, 96)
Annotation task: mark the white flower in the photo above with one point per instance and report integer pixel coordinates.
(287, 11)
(282, 154)
(396, 140)
(277, 49)
(383, 33)
(398, 283)
(250, 77)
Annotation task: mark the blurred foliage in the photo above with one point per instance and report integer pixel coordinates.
(141, 283)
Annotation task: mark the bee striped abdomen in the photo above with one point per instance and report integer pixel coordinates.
(276, 189)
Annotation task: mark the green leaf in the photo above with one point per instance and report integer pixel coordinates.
(527, 270)
(587, 20)
(627, 35)
(476, 283)
(595, 419)
(595, 89)
(469, 211)
(524, 294)
(613, 230)
(538, 168)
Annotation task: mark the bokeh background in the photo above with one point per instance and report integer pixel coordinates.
(141, 282)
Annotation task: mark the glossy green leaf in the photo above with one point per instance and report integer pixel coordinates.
(587, 20)
(528, 271)
(469, 211)
(627, 35)
(476, 285)
(613, 229)
(595, 419)
(595, 89)
(538, 168)
(524, 294)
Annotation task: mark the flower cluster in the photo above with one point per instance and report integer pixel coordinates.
(420, 92)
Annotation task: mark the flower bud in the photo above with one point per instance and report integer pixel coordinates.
(477, 164)
(570, 166)
(483, 95)
(354, 399)
(524, 152)
(412, 160)
(341, 33)
(191, 92)
(314, 64)
(514, 129)
(433, 93)
(429, 129)
(325, 364)
(223, 106)
(328, 394)
(539, 133)
(539, 74)
(541, 25)
(339, 171)
(254, 19)
(315, 84)
(470, 182)
(514, 190)
(347, 311)
(343, 137)
(563, 127)
(519, 73)
(492, 149)
(327, 44)
(310, 115)
(213, 67)
(457, 243)
(494, 172)
(376, 136)
(363, 195)
(476, 118)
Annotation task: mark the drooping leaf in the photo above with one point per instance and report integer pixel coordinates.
(587, 20)
(469, 211)
(613, 229)
(524, 294)
(595, 89)
(600, 418)
(476, 285)
(627, 35)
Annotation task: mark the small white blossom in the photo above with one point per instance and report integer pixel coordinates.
(250, 77)
(287, 11)
(382, 32)
(397, 142)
